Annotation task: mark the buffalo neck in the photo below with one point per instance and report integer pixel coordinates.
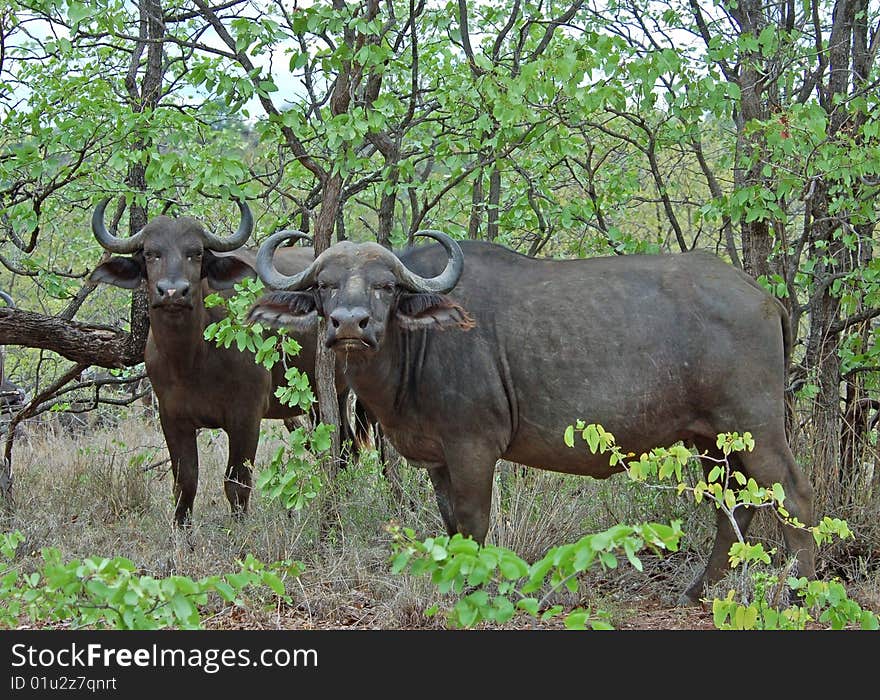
(385, 380)
(179, 336)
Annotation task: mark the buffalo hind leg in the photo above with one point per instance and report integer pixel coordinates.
(770, 462)
(718, 564)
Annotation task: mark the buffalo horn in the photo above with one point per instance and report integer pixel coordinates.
(443, 282)
(237, 239)
(107, 239)
(266, 268)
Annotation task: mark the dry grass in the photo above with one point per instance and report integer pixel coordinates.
(100, 493)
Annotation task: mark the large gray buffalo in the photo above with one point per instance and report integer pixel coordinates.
(654, 348)
(198, 384)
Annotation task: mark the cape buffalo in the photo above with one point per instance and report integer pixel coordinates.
(654, 348)
(197, 383)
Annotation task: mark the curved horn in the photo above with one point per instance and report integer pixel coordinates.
(237, 239)
(107, 240)
(270, 275)
(443, 282)
(8, 299)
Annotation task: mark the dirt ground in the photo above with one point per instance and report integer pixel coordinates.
(651, 614)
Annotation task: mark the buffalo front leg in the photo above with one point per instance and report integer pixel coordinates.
(440, 480)
(471, 470)
(184, 454)
(242, 453)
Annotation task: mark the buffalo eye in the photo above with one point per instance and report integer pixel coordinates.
(194, 255)
(151, 255)
(324, 286)
(384, 286)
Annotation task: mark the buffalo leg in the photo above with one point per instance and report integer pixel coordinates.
(471, 471)
(184, 454)
(718, 564)
(242, 453)
(772, 461)
(440, 479)
(347, 440)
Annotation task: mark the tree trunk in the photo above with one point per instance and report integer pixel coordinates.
(476, 216)
(88, 344)
(325, 358)
(823, 343)
(493, 209)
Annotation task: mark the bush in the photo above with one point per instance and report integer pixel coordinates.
(105, 593)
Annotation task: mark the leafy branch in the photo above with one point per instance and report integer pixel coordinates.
(101, 593)
(457, 563)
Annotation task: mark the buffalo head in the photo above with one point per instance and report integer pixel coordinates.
(359, 288)
(173, 256)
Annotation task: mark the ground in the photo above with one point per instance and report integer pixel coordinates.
(647, 614)
(107, 493)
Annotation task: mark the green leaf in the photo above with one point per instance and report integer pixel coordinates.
(183, 608)
(400, 561)
(512, 567)
(576, 620)
(530, 605)
(592, 437)
(568, 438)
(274, 582)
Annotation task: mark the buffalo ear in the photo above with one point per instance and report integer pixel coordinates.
(295, 311)
(225, 271)
(428, 310)
(120, 272)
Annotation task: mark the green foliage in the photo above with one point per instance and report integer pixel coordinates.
(293, 476)
(500, 582)
(728, 490)
(101, 593)
(298, 391)
(837, 609)
(268, 350)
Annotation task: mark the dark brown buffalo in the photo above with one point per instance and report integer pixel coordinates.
(198, 384)
(654, 348)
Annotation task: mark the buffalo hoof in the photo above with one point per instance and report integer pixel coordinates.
(183, 521)
(688, 600)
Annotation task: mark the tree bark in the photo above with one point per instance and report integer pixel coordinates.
(325, 358)
(79, 342)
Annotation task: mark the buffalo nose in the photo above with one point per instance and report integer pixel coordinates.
(172, 290)
(349, 320)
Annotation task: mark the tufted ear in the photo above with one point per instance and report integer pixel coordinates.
(429, 310)
(120, 272)
(296, 311)
(224, 271)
